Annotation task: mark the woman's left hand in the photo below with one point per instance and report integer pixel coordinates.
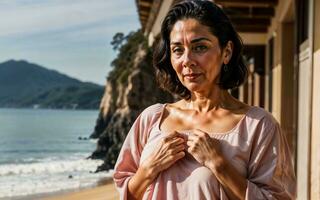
(204, 149)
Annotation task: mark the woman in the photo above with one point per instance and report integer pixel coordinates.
(208, 145)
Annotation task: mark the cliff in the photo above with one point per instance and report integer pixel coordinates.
(127, 92)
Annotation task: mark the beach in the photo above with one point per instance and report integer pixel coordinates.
(102, 192)
(104, 189)
(41, 155)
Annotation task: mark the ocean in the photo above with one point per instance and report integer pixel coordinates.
(40, 151)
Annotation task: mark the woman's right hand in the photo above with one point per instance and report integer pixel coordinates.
(169, 150)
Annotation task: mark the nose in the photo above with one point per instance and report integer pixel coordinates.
(188, 59)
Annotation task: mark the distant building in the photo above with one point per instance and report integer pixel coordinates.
(282, 47)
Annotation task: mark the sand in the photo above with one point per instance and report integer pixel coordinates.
(103, 192)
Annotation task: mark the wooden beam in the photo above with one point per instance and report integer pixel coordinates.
(247, 3)
(263, 11)
(145, 4)
(249, 12)
(253, 38)
(251, 28)
(251, 21)
(144, 8)
(144, 13)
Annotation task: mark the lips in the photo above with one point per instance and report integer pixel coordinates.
(191, 76)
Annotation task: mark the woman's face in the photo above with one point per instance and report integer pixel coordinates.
(196, 55)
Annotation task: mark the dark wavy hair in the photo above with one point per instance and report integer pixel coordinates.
(208, 14)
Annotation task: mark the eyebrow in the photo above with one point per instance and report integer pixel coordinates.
(192, 41)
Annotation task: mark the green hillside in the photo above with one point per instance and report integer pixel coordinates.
(24, 85)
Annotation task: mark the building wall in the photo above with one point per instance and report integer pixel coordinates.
(287, 83)
(315, 150)
(279, 80)
(155, 30)
(276, 90)
(307, 141)
(304, 113)
(315, 131)
(257, 86)
(305, 107)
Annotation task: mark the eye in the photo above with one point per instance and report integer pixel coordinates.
(177, 50)
(200, 48)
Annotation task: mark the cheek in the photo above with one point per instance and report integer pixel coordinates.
(176, 66)
(211, 63)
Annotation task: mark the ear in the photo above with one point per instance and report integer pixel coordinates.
(227, 52)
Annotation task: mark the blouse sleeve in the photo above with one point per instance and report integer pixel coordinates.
(128, 160)
(270, 171)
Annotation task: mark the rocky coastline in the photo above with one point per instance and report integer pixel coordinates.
(122, 102)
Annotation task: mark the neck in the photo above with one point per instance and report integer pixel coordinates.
(213, 101)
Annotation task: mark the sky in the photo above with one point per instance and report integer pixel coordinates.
(70, 36)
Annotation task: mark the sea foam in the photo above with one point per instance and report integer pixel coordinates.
(50, 176)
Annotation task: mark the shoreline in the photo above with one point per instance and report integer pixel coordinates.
(100, 192)
(103, 189)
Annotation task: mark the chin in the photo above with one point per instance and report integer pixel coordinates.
(197, 87)
(194, 87)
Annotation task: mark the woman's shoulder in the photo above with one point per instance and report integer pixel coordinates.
(152, 111)
(176, 105)
(261, 119)
(258, 113)
(153, 108)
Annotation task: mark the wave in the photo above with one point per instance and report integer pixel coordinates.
(40, 158)
(49, 167)
(50, 176)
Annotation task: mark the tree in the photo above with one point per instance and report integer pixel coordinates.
(118, 40)
(127, 47)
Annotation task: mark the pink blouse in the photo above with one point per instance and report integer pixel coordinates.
(255, 147)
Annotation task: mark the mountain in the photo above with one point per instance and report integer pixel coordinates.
(24, 84)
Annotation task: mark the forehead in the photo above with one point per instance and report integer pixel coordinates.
(189, 29)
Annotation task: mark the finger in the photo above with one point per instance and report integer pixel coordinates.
(176, 141)
(179, 155)
(190, 150)
(184, 135)
(173, 153)
(169, 144)
(199, 132)
(173, 158)
(168, 138)
(174, 146)
(192, 138)
(178, 148)
(173, 134)
(190, 143)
